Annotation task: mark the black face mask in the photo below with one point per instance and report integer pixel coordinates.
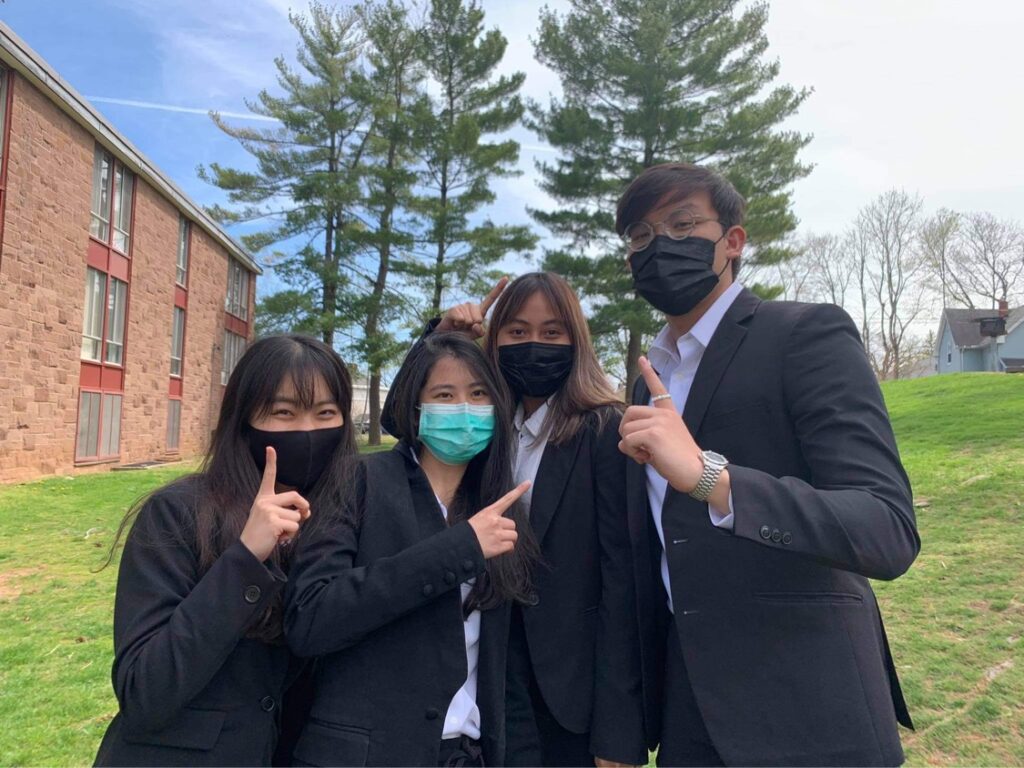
(674, 276)
(534, 369)
(302, 455)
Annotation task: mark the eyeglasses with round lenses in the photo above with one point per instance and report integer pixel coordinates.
(678, 225)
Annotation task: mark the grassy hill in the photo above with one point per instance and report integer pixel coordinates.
(955, 621)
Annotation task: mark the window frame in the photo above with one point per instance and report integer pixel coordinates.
(178, 342)
(102, 429)
(184, 252)
(236, 301)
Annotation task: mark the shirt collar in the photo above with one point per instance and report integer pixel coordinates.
(534, 425)
(664, 354)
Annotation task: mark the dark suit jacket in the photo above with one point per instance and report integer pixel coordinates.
(376, 596)
(582, 634)
(780, 630)
(193, 689)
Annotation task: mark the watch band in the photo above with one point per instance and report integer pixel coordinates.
(708, 478)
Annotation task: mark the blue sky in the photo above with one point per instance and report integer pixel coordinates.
(918, 94)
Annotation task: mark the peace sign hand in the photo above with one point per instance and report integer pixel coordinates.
(658, 436)
(495, 532)
(469, 317)
(274, 517)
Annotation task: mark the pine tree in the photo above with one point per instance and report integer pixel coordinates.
(652, 81)
(306, 186)
(458, 161)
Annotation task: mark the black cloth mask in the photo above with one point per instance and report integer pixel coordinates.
(302, 455)
(535, 369)
(674, 276)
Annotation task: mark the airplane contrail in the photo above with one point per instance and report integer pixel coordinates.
(173, 108)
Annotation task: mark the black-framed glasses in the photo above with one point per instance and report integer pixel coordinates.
(677, 225)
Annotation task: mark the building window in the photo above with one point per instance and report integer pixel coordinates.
(99, 426)
(177, 341)
(101, 168)
(173, 424)
(237, 301)
(182, 268)
(92, 323)
(115, 321)
(234, 346)
(124, 185)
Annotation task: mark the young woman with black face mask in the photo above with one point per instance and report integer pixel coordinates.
(406, 598)
(574, 694)
(201, 668)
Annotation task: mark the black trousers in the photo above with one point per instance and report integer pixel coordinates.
(684, 737)
(534, 736)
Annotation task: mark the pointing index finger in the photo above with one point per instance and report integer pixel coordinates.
(269, 481)
(654, 385)
(509, 498)
(491, 297)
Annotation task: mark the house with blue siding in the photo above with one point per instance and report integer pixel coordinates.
(963, 343)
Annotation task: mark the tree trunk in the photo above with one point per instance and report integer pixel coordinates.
(632, 366)
(373, 438)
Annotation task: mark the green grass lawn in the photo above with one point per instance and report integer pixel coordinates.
(956, 620)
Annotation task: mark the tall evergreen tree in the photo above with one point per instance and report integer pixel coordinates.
(394, 91)
(306, 185)
(458, 161)
(652, 81)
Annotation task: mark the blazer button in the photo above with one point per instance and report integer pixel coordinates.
(467, 566)
(776, 536)
(267, 703)
(252, 594)
(428, 590)
(787, 537)
(766, 532)
(432, 714)
(449, 577)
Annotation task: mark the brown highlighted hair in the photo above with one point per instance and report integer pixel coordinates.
(587, 390)
(674, 182)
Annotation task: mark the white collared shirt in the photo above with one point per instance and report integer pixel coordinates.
(533, 439)
(463, 716)
(677, 366)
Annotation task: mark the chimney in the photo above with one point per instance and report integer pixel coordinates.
(1004, 308)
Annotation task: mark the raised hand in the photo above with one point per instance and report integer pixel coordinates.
(657, 435)
(469, 317)
(274, 517)
(496, 533)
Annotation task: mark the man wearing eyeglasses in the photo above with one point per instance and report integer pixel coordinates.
(758, 517)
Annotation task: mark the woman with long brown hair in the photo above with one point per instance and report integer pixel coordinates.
(573, 674)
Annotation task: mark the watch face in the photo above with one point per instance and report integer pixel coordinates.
(715, 458)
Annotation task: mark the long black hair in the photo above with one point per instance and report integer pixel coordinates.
(488, 475)
(221, 493)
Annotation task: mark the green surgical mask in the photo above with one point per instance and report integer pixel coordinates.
(455, 433)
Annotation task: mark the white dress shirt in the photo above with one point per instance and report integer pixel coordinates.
(676, 365)
(533, 439)
(463, 717)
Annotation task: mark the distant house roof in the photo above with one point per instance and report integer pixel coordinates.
(14, 52)
(966, 330)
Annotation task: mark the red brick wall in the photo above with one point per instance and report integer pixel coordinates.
(42, 286)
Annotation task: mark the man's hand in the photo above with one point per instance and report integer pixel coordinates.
(469, 317)
(657, 435)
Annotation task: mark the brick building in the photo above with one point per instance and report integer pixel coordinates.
(123, 306)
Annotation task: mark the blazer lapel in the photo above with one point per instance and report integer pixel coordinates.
(724, 343)
(549, 485)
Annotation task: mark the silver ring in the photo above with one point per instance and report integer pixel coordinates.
(656, 398)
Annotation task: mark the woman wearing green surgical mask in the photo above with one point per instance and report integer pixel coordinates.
(406, 597)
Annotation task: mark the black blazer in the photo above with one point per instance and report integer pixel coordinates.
(193, 689)
(583, 634)
(781, 634)
(377, 597)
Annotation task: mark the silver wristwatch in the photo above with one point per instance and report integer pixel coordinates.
(714, 463)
